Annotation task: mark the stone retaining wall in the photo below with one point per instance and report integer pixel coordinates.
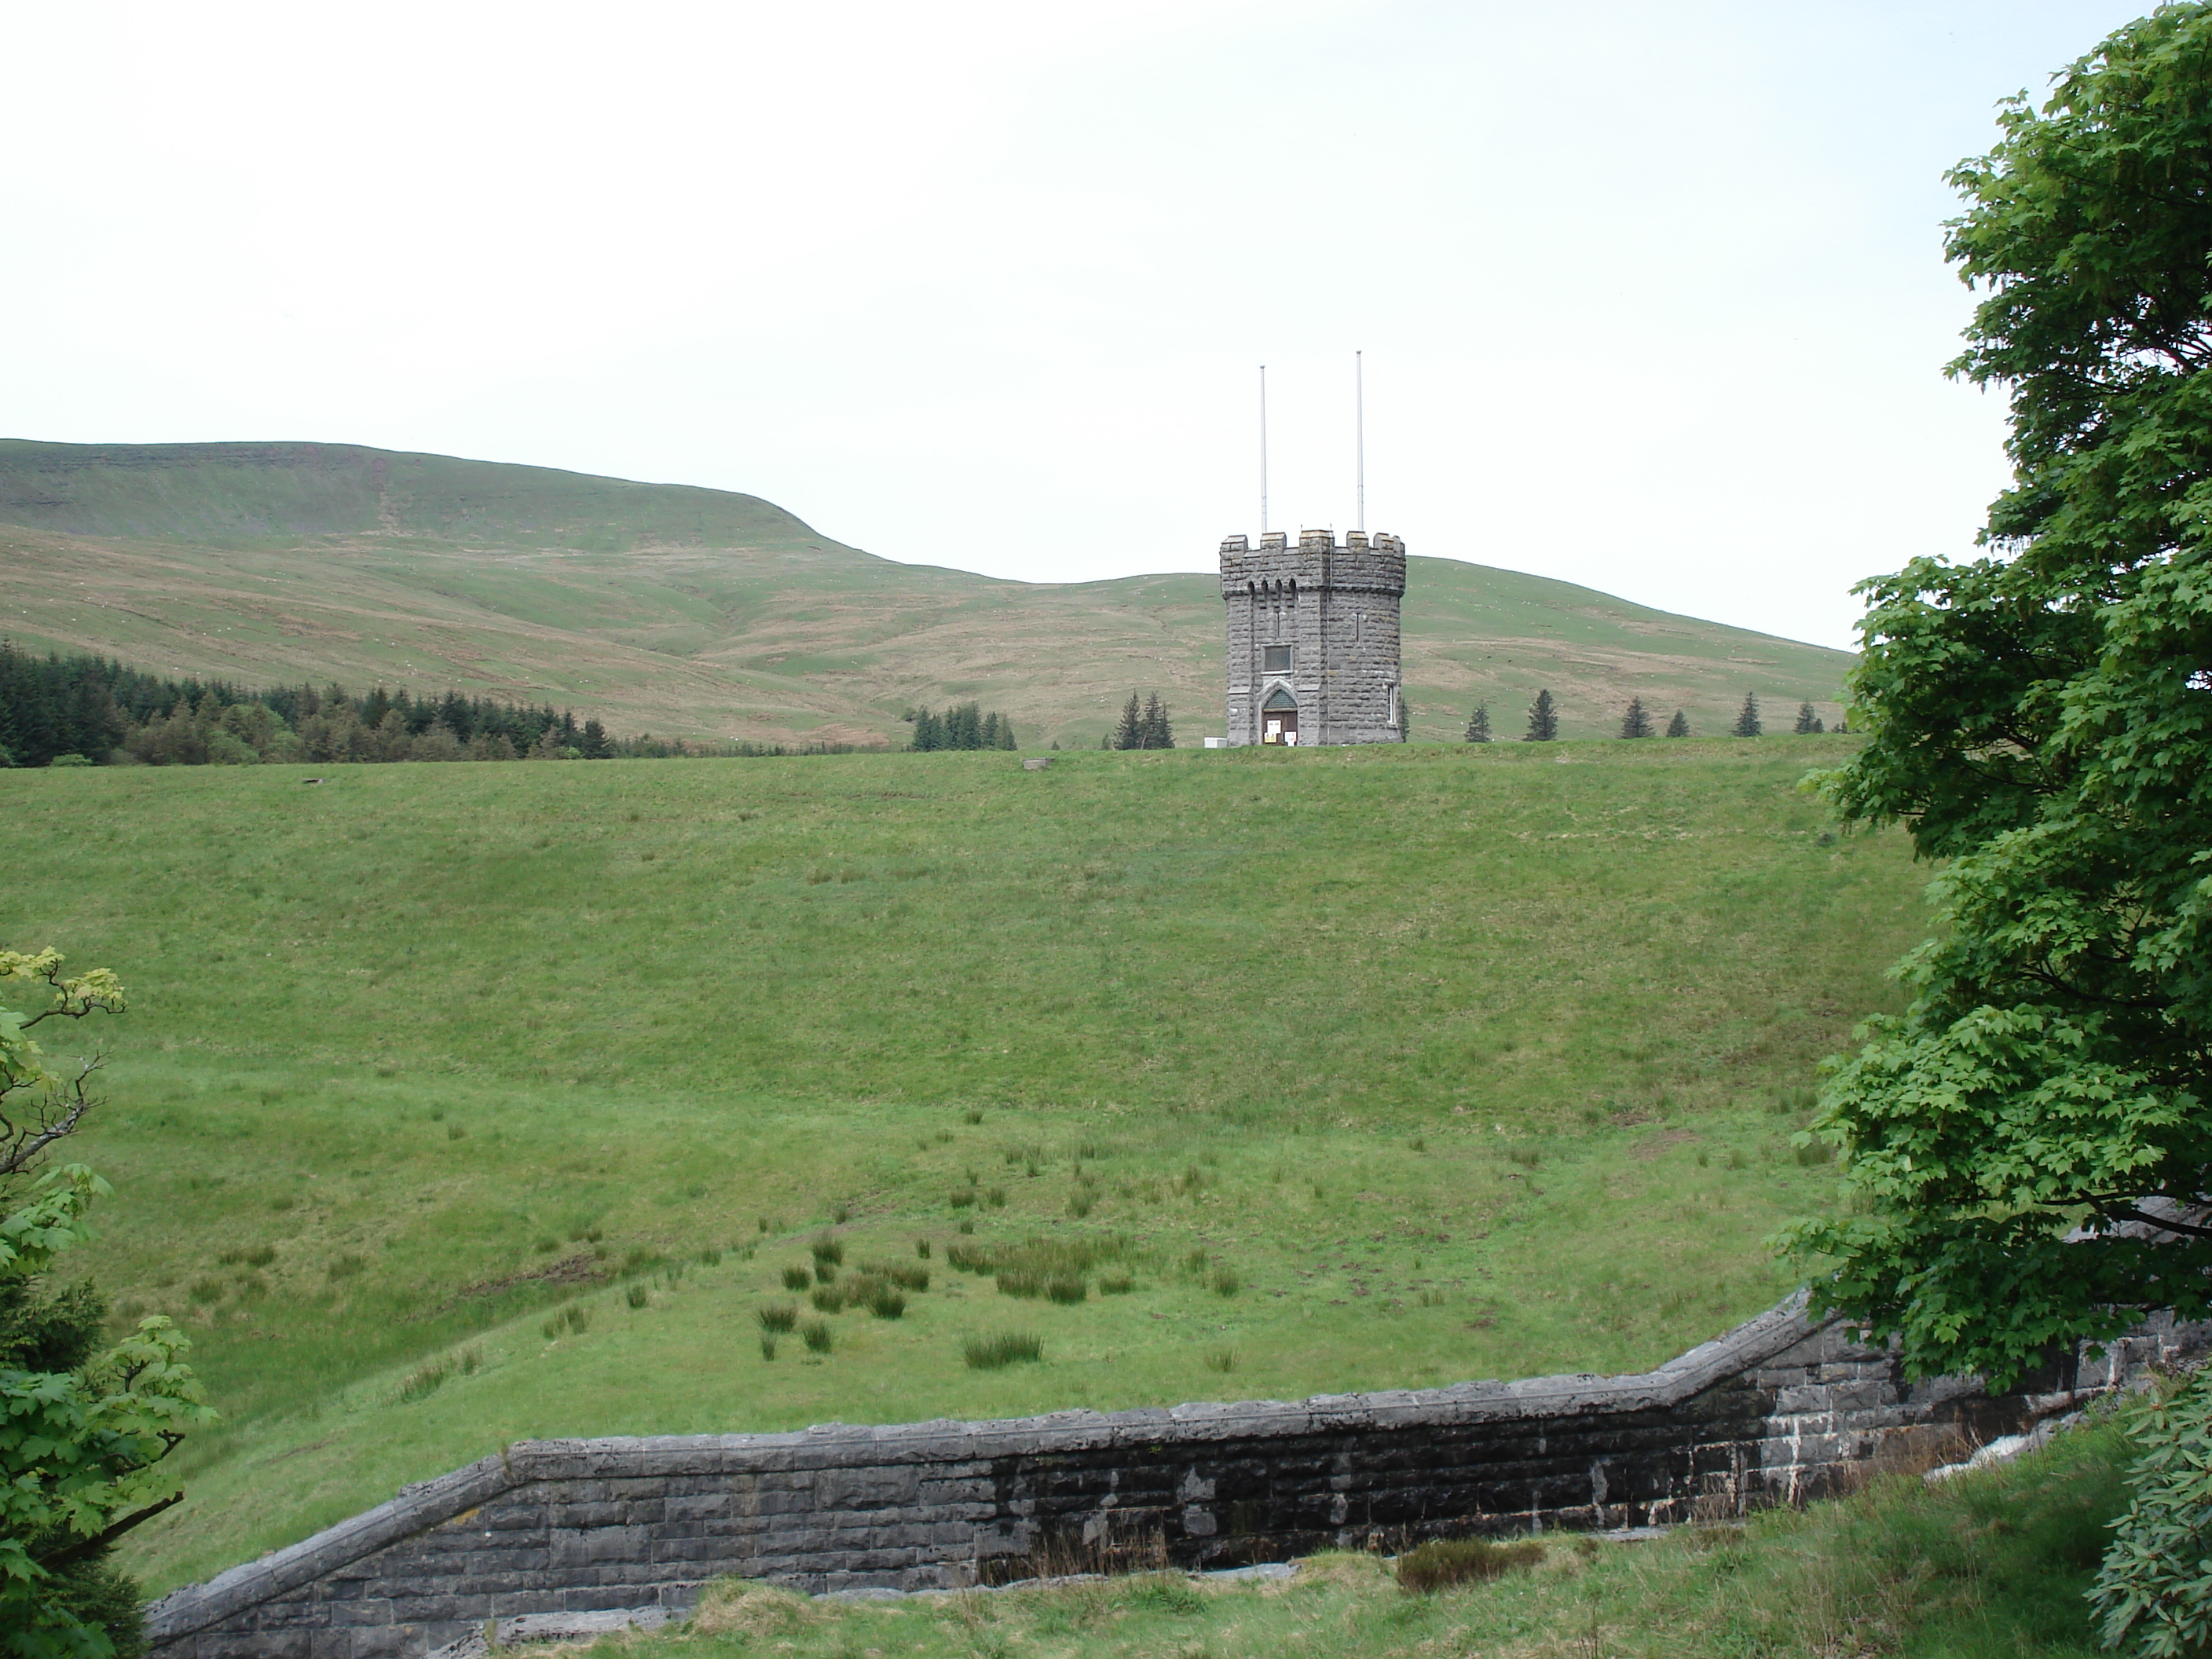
(1776, 1411)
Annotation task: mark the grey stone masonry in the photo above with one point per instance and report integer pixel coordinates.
(1776, 1411)
(1314, 626)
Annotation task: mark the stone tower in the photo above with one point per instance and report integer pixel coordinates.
(1313, 638)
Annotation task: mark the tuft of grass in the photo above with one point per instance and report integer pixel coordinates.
(345, 1266)
(826, 1298)
(1020, 1281)
(922, 1249)
(797, 1278)
(778, 1316)
(768, 1345)
(1221, 1359)
(904, 1274)
(1225, 1281)
(816, 1333)
(1120, 1282)
(638, 1296)
(992, 1353)
(827, 1251)
(1067, 1288)
(888, 1303)
(1443, 1562)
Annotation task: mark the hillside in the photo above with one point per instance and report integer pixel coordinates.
(1368, 1067)
(704, 613)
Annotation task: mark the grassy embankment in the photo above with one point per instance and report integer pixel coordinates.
(705, 613)
(1991, 1565)
(1377, 1067)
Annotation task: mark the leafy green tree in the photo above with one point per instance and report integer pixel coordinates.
(1747, 718)
(2027, 1147)
(1543, 719)
(1635, 723)
(1478, 723)
(1807, 722)
(1679, 725)
(83, 1431)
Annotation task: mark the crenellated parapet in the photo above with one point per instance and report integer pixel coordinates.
(1359, 563)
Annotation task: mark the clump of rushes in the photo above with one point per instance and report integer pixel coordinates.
(962, 1198)
(1446, 1561)
(995, 1197)
(967, 1223)
(1067, 1288)
(888, 1303)
(796, 1278)
(768, 1345)
(1225, 1281)
(1116, 1283)
(904, 1274)
(827, 1299)
(922, 1249)
(1020, 1281)
(814, 1333)
(1079, 1202)
(1222, 1359)
(827, 1251)
(777, 1316)
(638, 1296)
(992, 1353)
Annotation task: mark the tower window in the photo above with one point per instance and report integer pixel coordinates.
(1274, 659)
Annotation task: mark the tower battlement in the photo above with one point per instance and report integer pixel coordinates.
(1313, 653)
(1357, 564)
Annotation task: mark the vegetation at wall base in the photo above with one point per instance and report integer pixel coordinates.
(1992, 1564)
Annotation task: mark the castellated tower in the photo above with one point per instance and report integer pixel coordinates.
(1313, 638)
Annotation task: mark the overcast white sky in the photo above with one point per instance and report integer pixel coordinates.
(1651, 296)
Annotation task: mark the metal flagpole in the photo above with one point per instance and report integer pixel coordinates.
(1263, 449)
(1359, 434)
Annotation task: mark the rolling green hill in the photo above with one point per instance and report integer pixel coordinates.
(703, 613)
(1370, 1067)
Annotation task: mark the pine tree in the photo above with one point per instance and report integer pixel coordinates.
(925, 733)
(1478, 723)
(1543, 719)
(1747, 718)
(1130, 733)
(1005, 731)
(1635, 723)
(1679, 725)
(991, 730)
(1158, 732)
(1807, 719)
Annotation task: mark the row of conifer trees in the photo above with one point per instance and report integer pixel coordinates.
(1544, 721)
(964, 725)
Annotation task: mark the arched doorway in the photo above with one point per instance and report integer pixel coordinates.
(1278, 718)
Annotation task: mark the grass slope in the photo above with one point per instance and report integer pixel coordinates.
(1991, 1565)
(1377, 1066)
(699, 612)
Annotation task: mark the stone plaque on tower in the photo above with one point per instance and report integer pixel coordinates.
(1313, 638)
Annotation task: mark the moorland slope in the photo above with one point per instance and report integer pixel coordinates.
(703, 613)
(1367, 1067)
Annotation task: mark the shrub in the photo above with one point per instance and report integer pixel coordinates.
(888, 1303)
(777, 1316)
(814, 1333)
(796, 1278)
(1067, 1288)
(2156, 1583)
(1447, 1561)
(991, 1353)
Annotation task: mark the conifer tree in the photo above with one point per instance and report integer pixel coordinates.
(1679, 725)
(1130, 733)
(925, 733)
(991, 730)
(1807, 719)
(1747, 718)
(1005, 731)
(1543, 719)
(1405, 717)
(1158, 732)
(1635, 723)
(1478, 723)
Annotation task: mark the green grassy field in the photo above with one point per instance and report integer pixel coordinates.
(1991, 1565)
(704, 613)
(1368, 1067)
